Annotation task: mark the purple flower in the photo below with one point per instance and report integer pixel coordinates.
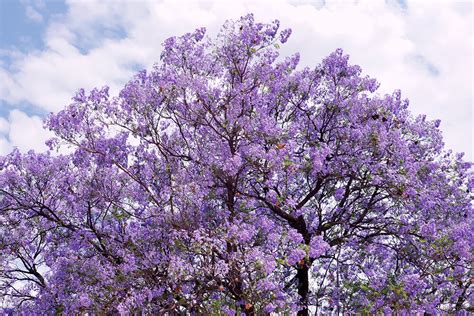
(318, 247)
(295, 256)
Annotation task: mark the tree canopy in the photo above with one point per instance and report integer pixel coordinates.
(227, 180)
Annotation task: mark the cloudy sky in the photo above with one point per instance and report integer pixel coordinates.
(51, 48)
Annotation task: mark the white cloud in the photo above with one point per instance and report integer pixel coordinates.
(4, 126)
(31, 9)
(424, 49)
(22, 131)
(33, 14)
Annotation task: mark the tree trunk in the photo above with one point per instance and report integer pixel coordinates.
(302, 276)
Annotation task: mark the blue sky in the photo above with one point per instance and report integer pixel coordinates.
(23, 23)
(51, 48)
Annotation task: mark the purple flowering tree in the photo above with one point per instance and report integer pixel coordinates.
(227, 181)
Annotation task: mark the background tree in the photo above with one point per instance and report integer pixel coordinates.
(227, 181)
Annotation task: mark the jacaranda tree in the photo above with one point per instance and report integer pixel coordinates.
(227, 181)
